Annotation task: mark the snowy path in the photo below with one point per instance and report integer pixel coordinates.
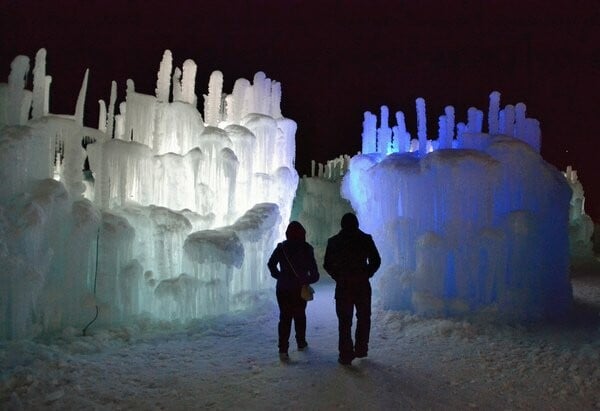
(413, 363)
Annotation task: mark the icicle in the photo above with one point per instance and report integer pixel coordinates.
(80, 107)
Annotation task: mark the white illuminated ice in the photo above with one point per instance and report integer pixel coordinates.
(175, 217)
(318, 204)
(581, 226)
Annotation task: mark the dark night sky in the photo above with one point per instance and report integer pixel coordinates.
(337, 59)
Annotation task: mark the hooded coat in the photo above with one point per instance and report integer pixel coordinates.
(292, 263)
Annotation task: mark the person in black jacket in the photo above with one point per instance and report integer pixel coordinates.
(351, 259)
(293, 265)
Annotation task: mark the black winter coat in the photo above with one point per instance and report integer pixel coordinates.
(351, 257)
(301, 256)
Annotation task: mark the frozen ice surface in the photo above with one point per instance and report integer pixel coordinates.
(581, 226)
(174, 219)
(481, 228)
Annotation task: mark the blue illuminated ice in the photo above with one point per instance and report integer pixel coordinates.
(481, 228)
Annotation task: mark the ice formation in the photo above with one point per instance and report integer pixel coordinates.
(470, 222)
(175, 217)
(318, 203)
(581, 226)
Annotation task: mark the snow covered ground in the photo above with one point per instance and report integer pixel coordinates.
(231, 362)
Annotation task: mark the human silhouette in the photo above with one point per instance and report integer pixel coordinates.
(351, 259)
(293, 264)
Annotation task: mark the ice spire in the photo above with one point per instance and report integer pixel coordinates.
(39, 85)
(79, 108)
(177, 84)
(188, 82)
(507, 120)
(163, 82)
(401, 136)
(421, 126)
(48, 81)
(520, 110)
(384, 133)
(239, 98)
(493, 113)
(369, 134)
(442, 133)
(475, 120)
(212, 104)
(261, 87)
(110, 119)
(18, 108)
(446, 128)
(276, 100)
(102, 120)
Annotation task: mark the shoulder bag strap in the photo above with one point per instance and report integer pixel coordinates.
(289, 262)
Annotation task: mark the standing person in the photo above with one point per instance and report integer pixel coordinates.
(293, 265)
(351, 259)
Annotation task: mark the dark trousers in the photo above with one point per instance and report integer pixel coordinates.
(346, 298)
(291, 307)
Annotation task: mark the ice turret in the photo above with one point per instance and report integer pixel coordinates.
(163, 82)
(421, 126)
(80, 107)
(212, 102)
(188, 82)
(17, 110)
(39, 85)
(384, 133)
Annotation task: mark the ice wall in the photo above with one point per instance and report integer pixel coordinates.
(318, 204)
(174, 218)
(581, 226)
(478, 228)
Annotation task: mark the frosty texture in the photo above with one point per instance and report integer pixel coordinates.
(174, 218)
(481, 228)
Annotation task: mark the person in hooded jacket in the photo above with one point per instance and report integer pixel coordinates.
(293, 265)
(351, 259)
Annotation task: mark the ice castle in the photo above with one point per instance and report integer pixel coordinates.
(169, 213)
(175, 217)
(471, 223)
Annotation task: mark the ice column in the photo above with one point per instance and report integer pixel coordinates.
(401, 136)
(449, 134)
(163, 82)
(275, 100)
(261, 96)
(507, 120)
(79, 108)
(212, 102)
(188, 82)
(474, 120)
(239, 97)
(110, 119)
(39, 85)
(493, 113)
(369, 134)
(421, 126)
(384, 133)
(177, 85)
(17, 111)
(102, 116)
